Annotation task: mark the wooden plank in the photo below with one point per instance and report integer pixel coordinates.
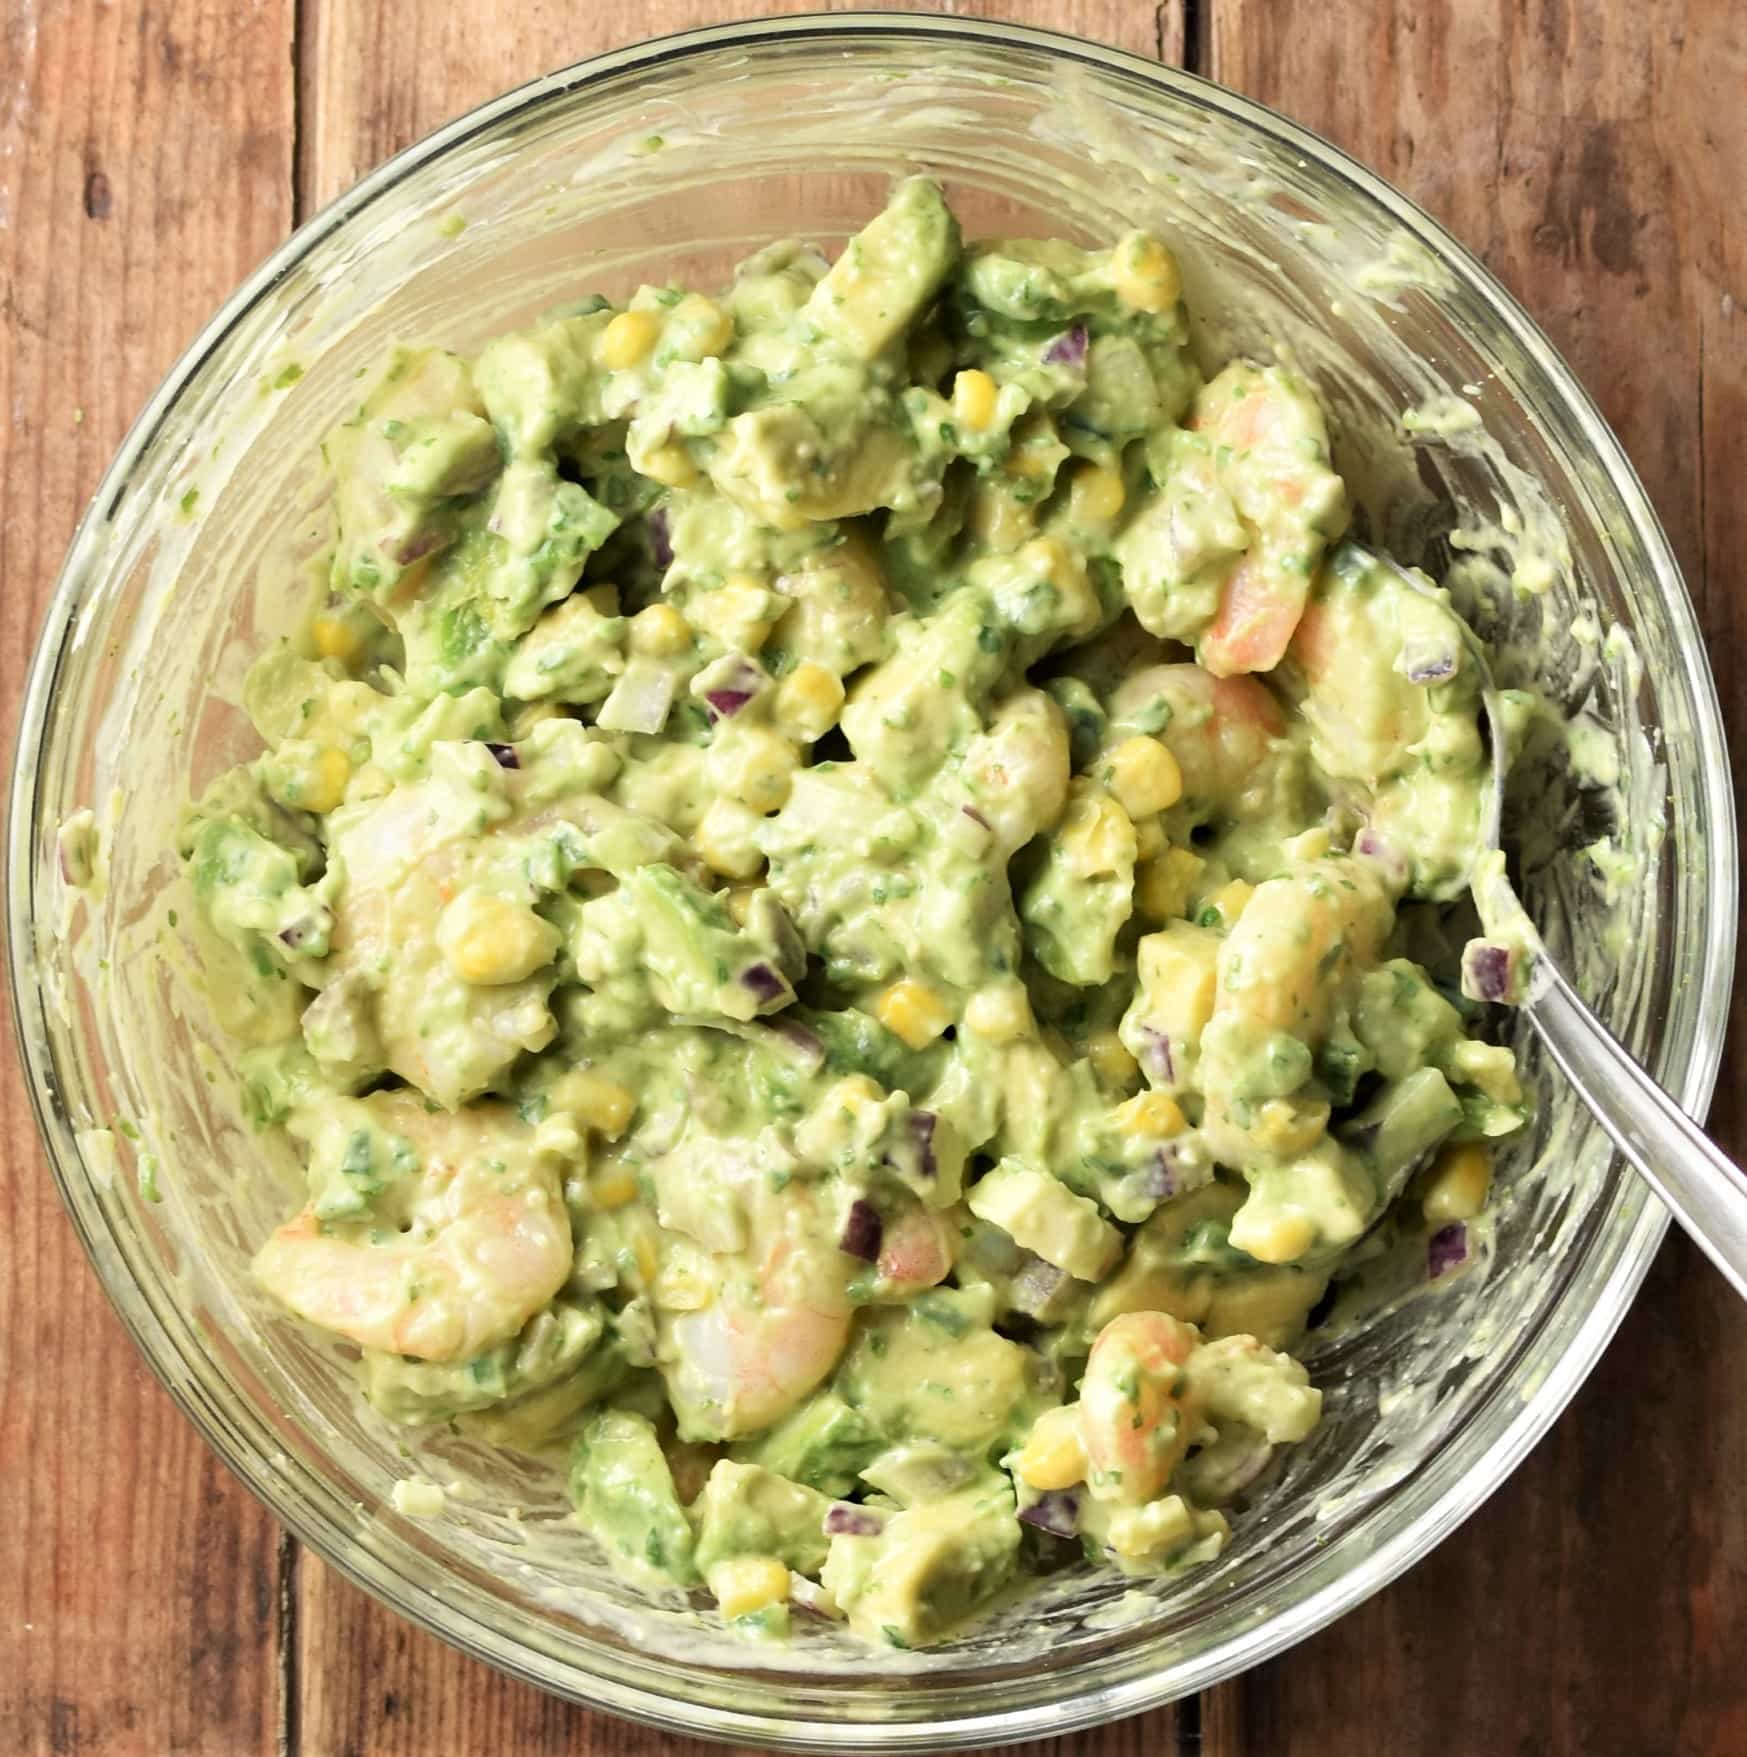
(145, 166)
(1594, 156)
(372, 79)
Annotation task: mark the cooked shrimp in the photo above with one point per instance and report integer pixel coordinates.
(1277, 967)
(775, 1328)
(1273, 448)
(485, 1244)
(1221, 730)
(400, 861)
(1136, 1417)
(916, 1252)
(1016, 773)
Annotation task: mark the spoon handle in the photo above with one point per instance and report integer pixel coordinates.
(1702, 1187)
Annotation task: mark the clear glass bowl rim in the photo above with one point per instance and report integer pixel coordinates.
(1608, 1301)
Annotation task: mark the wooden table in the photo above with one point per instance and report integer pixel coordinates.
(151, 154)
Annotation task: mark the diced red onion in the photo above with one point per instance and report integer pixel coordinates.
(1155, 1054)
(975, 816)
(729, 684)
(1067, 349)
(1368, 845)
(1429, 667)
(764, 982)
(504, 755)
(660, 542)
(639, 702)
(922, 1125)
(1057, 1511)
(725, 703)
(862, 1232)
(1158, 1178)
(302, 929)
(1447, 1249)
(846, 1519)
(1034, 1286)
(416, 548)
(1487, 970)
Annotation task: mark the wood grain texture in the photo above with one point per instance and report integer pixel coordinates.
(145, 166)
(150, 154)
(1594, 156)
(375, 78)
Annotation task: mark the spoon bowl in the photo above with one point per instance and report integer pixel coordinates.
(1700, 1185)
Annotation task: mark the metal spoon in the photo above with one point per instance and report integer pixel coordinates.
(1704, 1190)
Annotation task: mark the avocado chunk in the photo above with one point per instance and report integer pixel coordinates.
(747, 1511)
(823, 1444)
(888, 272)
(624, 1494)
(929, 1568)
(935, 1370)
(696, 960)
(1046, 1217)
(1402, 1124)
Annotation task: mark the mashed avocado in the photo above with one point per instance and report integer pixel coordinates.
(835, 893)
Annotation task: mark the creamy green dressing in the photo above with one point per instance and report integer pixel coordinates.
(844, 899)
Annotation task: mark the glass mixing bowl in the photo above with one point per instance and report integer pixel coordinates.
(668, 160)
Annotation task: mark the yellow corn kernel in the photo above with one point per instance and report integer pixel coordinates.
(973, 400)
(912, 1011)
(1109, 1055)
(999, 1014)
(1065, 569)
(1149, 838)
(335, 638)
(1156, 1115)
(808, 702)
(627, 339)
(1460, 1182)
(1095, 495)
(326, 787)
(678, 1290)
(853, 1093)
(1054, 1455)
(647, 1263)
(1230, 900)
(708, 328)
(745, 1584)
(755, 766)
(1052, 558)
(1144, 273)
(1096, 835)
(613, 1189)
(739, 902)
(741, 612)
(1162, 885)
(670, 465)
(659, 632)
(1144, 776)
(726, 839)
(602, 1104)
(1287, 1127)
(489, 940)
(1274, 1238)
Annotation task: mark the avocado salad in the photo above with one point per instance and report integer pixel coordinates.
(845, 902)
